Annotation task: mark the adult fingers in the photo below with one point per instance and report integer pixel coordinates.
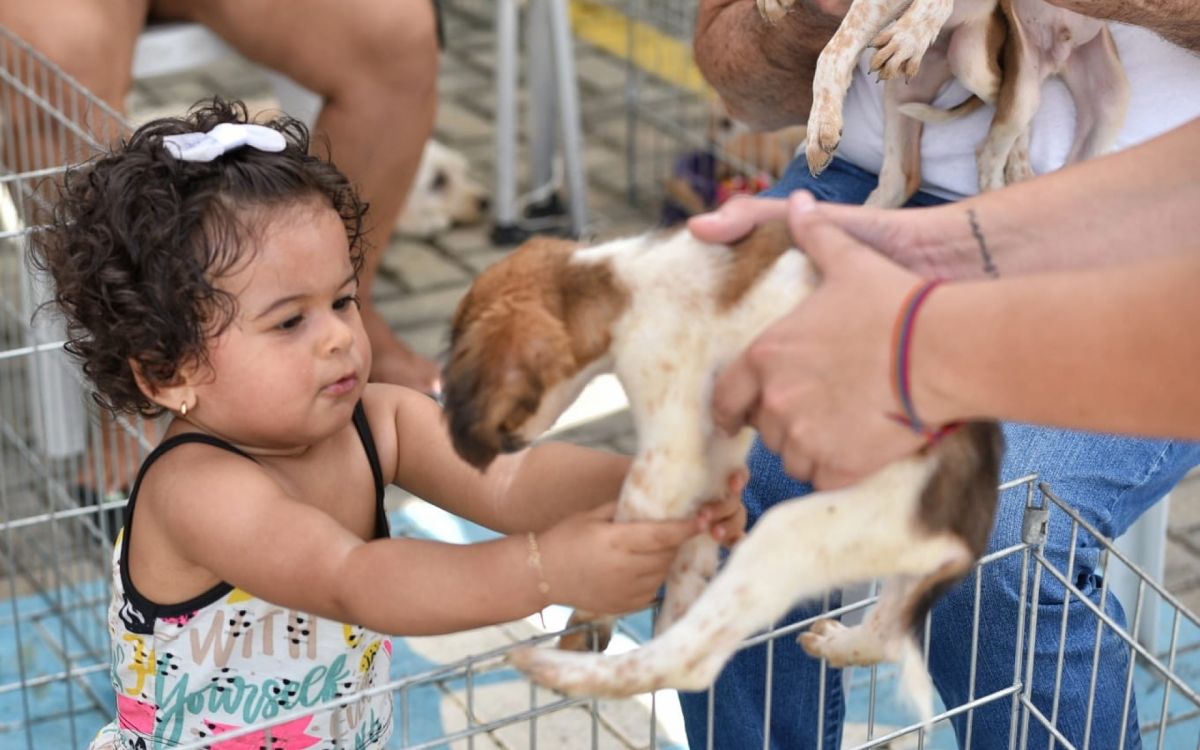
(824, 242)
(735, 396)
(736, 218)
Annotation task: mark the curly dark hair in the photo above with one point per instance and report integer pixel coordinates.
(138, 239)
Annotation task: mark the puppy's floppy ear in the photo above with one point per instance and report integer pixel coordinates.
(509, 344)
(495, 379)
(592, 298)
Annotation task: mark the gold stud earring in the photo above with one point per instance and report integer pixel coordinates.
(183, 407)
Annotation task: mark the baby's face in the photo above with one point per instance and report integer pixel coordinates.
(290, 368)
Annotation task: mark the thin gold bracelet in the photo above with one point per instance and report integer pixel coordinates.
(535, 562)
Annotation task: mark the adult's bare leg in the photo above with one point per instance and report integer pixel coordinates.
(375, 62)
(91, 40)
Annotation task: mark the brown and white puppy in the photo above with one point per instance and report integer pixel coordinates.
(667, 313)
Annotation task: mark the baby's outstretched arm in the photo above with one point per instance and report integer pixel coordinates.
(526, 491)
(231, 518)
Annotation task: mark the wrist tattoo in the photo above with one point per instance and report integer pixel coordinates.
(989, 267)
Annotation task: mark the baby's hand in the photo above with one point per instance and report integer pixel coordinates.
(592, 563)
(725, 519)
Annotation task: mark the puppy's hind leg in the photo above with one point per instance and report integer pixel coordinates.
(1016, 104)
(975, 54)
(900, 174)
(1096, 79)
(1019, 166)
(891, 629)
(798, 550)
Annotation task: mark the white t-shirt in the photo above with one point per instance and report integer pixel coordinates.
(1165, 83)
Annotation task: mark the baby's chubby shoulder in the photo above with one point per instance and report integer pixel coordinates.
(194, 489)
(390, 405)
(200, 468)
(398, 415)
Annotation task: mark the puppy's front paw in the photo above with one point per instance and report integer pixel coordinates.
(824, 135)
(900, 49)
(773, 10)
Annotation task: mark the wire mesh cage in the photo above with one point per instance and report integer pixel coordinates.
(682, 149)
(63, 468)
(640, 94)
(60, 466)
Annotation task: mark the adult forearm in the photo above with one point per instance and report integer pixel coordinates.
(762, 71)
(1113, 350)
(1133, 204)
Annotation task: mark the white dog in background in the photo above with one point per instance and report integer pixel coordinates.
(443, 194)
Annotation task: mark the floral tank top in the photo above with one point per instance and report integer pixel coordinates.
(190, 672)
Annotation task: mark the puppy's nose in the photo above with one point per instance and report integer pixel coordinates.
(484, 204)
(510, 443)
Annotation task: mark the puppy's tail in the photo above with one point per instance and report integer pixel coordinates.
(915, 681)
(930, 113)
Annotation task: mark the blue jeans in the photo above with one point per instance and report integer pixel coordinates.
(1110, 480)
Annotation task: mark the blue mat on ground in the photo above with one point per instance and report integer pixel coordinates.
(38, 637)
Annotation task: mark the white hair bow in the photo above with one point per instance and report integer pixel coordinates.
(222, 139)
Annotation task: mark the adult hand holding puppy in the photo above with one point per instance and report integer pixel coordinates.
(820, 394)
(820, 385)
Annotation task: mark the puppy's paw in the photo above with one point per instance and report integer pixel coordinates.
(821, 641)
(582, 674)
(824, 135)
(538, 664)
(886, 196)
(1018, 166)
(992, 166)
(842, 646)
(774, 10)
(899, 51)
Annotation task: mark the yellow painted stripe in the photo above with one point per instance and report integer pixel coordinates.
(651, 50)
